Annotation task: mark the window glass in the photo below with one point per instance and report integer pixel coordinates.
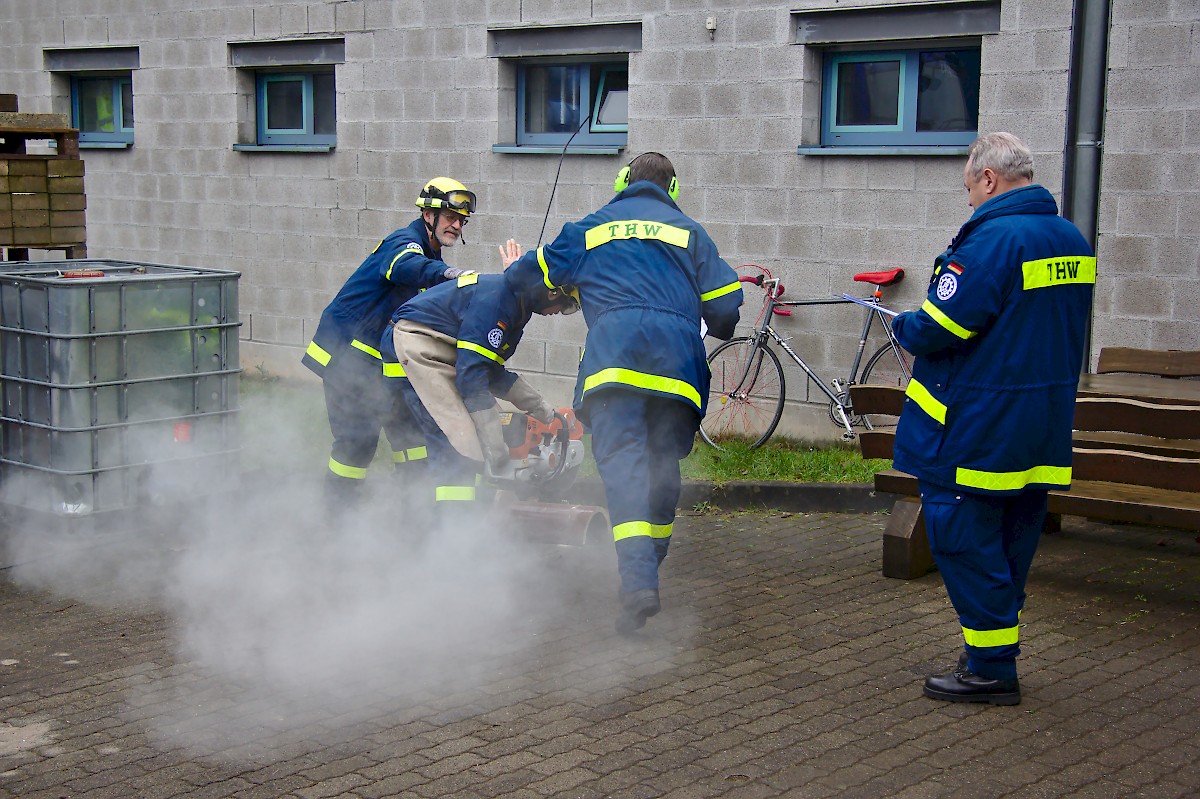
(552, 98)
(948, 90)
(610, 88)
(324, 104)
(868, 93)
(95, 105)
(921, 96)
(285, 104)
(127, 104)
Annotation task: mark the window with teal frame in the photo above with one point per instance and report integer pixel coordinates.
(557, 97)
(296, 108)
(102, 108)
(926, 96)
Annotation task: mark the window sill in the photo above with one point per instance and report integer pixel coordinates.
(884, 149)
(105, 145)
(284, 148)
(544, 149)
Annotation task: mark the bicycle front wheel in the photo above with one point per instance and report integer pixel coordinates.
(886, 368)
(745, 396)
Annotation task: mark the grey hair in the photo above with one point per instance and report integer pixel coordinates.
(1003, 153)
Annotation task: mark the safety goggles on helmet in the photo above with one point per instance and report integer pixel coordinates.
(449, 194)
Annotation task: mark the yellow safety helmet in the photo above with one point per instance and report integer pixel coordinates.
(447, 193)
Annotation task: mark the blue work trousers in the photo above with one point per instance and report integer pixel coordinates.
(983, 545)
(359, 404)
(638, 440)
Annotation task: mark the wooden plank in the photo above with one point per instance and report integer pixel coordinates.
(906, 553)
(1135, 504)
(1141, 387)
(1126, 415)
(1165, 363)
(1136, 469)
(877, 443)
(871, 399)
(1132, 442)
(890, 481)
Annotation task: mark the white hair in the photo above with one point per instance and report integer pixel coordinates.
(1003, 153)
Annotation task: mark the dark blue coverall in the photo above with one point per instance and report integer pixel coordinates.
(987, 420)
(487, 317)
(344, 354)
(646, 275)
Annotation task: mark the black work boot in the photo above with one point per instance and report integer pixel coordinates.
(963, 686)
(962, 662)
(636, 607)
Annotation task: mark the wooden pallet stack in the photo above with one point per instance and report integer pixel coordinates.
(42, 198)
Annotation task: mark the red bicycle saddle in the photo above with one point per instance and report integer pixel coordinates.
(880, 278)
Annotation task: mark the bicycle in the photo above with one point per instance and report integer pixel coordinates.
(748, 390)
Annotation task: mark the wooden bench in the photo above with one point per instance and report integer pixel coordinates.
(1164, 363)
(1133, 461)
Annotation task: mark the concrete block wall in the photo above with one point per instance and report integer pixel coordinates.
(1148, 291)
(418, 97)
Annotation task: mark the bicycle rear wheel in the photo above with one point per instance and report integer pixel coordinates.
(745, 397)
(885, 368)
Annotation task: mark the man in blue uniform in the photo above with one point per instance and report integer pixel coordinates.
(986, 427)
(344, 353)
(452, 343)
(647, 276)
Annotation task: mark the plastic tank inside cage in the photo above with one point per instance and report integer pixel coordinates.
(118, 384)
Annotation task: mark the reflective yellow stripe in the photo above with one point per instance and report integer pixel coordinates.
(1059, 271)
(927, 402)
(1005, 637)
(636, 229)
(721, 292)
(358, 345)
(485, 352)
(628, 377)
(416, 453)
(393, 369)
(342, 470)
(398, 457)
(545, 269)
(945, 321)
(468, 280)
(412, 246)
(1008, 481)
(317, 354)
(454, 494)
(630, 529)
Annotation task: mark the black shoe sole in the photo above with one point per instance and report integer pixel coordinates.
(1010, 698)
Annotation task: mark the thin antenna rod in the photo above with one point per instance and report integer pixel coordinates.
(554, 188)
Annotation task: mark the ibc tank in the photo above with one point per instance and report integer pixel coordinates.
(118, 384)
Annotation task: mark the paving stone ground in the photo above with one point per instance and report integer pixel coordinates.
(272, 657)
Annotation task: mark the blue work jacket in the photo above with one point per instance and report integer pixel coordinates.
(487, 316)
(646, 274)
(999, 346)
(396, 270)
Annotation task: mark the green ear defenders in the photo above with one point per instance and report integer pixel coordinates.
(622, 182)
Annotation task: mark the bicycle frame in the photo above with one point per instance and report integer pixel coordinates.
(836, 390)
